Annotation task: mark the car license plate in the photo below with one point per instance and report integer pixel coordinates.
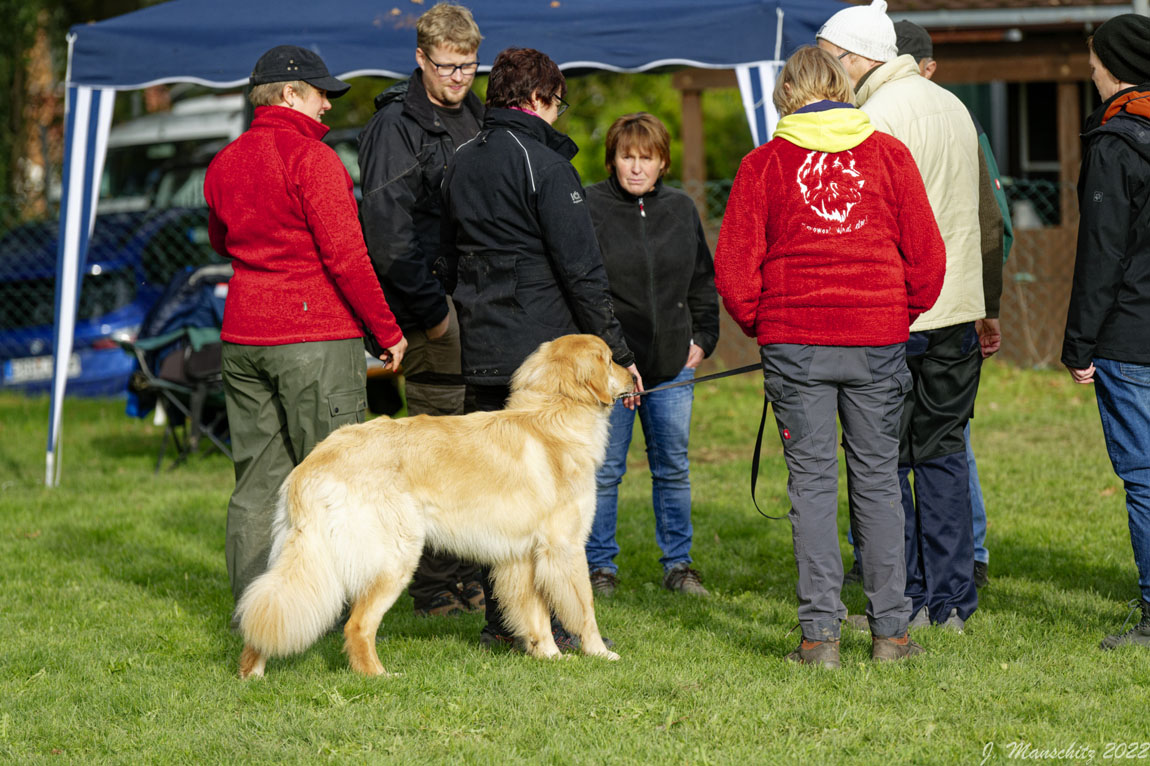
(33, 368)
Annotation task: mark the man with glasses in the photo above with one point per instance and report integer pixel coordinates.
(403, 153)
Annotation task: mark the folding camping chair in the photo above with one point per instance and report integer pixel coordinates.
(178, 352)
(188, 386)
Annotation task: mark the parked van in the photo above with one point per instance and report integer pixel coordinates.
(140, 150)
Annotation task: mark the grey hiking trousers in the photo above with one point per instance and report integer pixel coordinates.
(865, 386)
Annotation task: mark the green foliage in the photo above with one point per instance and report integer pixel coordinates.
(115, 607)
(596, 101)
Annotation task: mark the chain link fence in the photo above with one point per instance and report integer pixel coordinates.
(133, 255)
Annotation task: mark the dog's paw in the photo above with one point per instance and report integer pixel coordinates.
(251, 664)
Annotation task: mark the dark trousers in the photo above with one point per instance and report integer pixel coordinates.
(945, 366)
(433, 385)
(482, 398)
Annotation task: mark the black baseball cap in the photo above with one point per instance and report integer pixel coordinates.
(285, 63)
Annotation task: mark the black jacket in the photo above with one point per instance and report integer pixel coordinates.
(1109, 314)
(403, 154)
(661, 274)
(519, 240)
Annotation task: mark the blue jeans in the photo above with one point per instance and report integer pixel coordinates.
(666, 420)
(1123, 391)
(977, 505)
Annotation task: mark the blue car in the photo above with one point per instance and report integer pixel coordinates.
(130, 259)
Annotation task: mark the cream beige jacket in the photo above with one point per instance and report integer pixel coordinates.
(937, 129)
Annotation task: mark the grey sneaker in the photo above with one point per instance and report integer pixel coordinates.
(854, 574)
(685, 580)
(1139, 634)
(981, 575)
(891, 648)
(954, 622)
(823, 654)
(922, 619)
(603, 582)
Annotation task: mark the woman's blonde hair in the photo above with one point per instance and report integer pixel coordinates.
(811, 74)
(271, 93)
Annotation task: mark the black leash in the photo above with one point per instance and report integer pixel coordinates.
(755, 465)
(693, 381)
(762, 422)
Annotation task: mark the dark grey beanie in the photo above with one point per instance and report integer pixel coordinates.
(1122, 44)
(913, 39)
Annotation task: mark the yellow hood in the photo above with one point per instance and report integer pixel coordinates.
(833, 130)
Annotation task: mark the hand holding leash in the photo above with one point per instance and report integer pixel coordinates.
(631, 402)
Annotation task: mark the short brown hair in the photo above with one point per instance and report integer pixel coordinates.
(447, 25)
(518, 74)
(271, 93)
(812, 74)
(641, 131)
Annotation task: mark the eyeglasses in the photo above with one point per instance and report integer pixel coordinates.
(447, 70)
(563, 105)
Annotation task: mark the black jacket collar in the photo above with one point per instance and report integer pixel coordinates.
(418, 106)
(535, 127)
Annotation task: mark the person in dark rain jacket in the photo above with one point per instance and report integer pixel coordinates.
(1107, 339)
(520, 248)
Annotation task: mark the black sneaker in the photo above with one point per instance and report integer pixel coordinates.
(446, 603)
(490, 638)
(981, 576)
(684, 579)
(854, 574)
(569, 642)
(1138, 635)
(603, 582)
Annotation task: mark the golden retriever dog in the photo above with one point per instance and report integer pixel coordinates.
(513, 489)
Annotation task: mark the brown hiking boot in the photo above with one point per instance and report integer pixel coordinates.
(443, 604)
(889, 648)
(471, 596)
(685, 580)
(821, 653)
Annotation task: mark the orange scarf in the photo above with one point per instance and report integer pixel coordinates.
(1134, 102)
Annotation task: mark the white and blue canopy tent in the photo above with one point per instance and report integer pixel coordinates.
(216, 42)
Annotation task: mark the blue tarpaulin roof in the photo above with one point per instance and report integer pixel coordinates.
(217, 41)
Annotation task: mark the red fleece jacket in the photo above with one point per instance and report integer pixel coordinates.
(282, 209)
(829, 249)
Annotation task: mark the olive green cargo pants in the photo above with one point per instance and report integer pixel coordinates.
(282, 401)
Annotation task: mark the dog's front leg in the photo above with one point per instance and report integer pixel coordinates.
(523, 610)
(562, 575)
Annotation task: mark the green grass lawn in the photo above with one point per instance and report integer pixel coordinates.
(114, 606)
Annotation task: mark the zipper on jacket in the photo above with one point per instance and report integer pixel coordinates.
(650, 273)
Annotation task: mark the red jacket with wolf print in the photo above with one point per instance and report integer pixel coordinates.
(282, 209)
(828, 238)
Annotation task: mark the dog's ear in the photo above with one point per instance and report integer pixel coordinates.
(594, 370)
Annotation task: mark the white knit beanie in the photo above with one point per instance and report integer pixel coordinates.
(865, 30)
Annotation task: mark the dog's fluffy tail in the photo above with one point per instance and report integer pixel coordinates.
(287, 608)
